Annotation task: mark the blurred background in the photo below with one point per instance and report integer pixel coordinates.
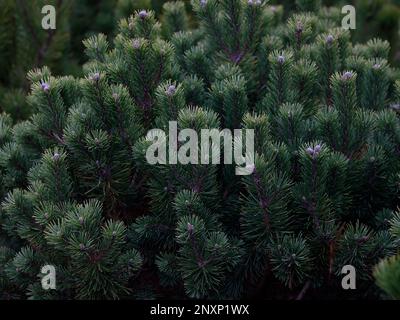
(24, 45)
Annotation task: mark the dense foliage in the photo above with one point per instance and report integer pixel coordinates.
(79, 194)
(25, 45)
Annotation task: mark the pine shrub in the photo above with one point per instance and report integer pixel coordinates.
(79, 194)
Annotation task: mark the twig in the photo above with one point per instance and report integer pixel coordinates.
(303, 291)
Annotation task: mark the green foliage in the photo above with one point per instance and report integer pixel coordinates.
(388, 278)
(174, 18)
(387, 271)
(79, 193)
(25, 45)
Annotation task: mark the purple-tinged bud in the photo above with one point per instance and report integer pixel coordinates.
(82, 246)
(281, 59)
(171, 90)
(376, 66)
(56, 156)
(45, 86)
(329, 39)
(203, 3)
(347, 75)
(114, 233)
(95, 76)
(136, 44)
(143, 14)
(190, 227)
(115, 96)
(46, 215)
(395, 106)
(310, 151)
(299, 27)
(317, 148)
(273, 9)
(81, 220)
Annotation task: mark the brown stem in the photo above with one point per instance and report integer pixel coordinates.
(303, 291)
